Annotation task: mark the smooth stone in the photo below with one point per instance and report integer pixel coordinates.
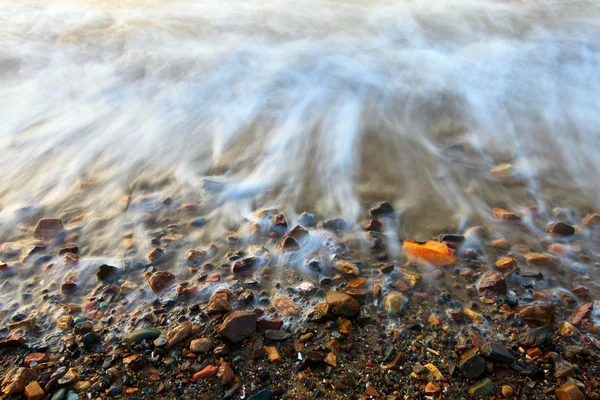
(483, 387)
(142, 334)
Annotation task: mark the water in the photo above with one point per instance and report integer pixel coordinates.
(320, 106)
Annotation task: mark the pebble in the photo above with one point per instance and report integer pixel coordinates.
(203, 345)
(483, 387)
(560, 228)
(220, 302)
(507, 392)
(205, 373)
(178, 334)
(472, 365)
(342, 304)
(496, 352)
(15, 380)
(106, 272)
(161, 280)
(142, 334)
(237, 326)
(286, 306)
(381, 208)
(493, 282)
(48, 228)
(393, 302)
(536, 337)
(347, 268)
(569, 391)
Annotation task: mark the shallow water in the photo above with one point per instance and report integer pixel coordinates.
(320, 106)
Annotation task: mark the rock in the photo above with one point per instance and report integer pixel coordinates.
(65, 322)
(336, 225)
(141, 335)
(393, 302)
(48, 228)
(286, 306)
(279, 221)
(207, 372)
(263, 325)
(432, 388)
(70, 377)
(493, 282)
(161, 280)
(472, 365)
(15, 380)
(156, 254)
(371, 392)
(178, 334)
(26, 324)
(195, 256)
(258, 349)
(507, 392)
(591, 220)
(505, 215)
(225, 373)
(566, 329)
(542, 260)
(69, 282)
(32, 359)
(502, 171)
(506, 263)
(569, 391)
(273, 354)
(381, 208)
(264, 394)
(83, 327)
(220, 302)
(288, 244)
(11, 341)
(580, 313)
(203, 345)
(528, 370)
(105, 272)
(560, 228)
(243, 264)
(237, 326)
(115, 389)
(536, 337)
(496, 352)
(342, 304)
(276, 335)
(483, 387)
(34, 391)
(372, 225)
(537, 314)
(347, 268)
(562, 368)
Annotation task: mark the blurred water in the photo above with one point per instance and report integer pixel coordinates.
(319, 105)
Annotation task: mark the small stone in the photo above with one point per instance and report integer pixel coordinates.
(342, 304)
(65, 322)
(537, 314)
(580, 313)
(47, 228)
(567, 329)
(507, 392)
(331, 359)
(393, 302)
(105, 272)
(178, 334)
(560, 228)
(205, 373)
(335, 224)
(276, 335)
(347, 268)
(237, 326)
(263, 325)
(496, 352)
(372, 225)
(381, 208)
(26, 324)
(472, 365)
(115, 389)
(203, 345)
(493, 282)
(536, 337)
(243, 264)
(542, 260)
(307, 220)
(15, 380)
(225, 373)
(34, 391)
(288, 244)
(161, 280)
(483, 387)
(502, 171)
(141, 335)
(371, 392)
(432, 388)
(156, 254)
(569, 391)
(273, 354)
(33, 359)
(506, 263)
(286, 306)
(505, 215)
(195, 256)
(70, 377)
(591, 220)
(220, 302)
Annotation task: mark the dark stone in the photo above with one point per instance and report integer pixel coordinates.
(451, 237)
(264, 324)
(536, 337)
(335, 224)
(115, 389)
(381, 208)
(472, 365)
(560, 228)
(276, 335)
(496, 352)
(493, 282)
(83, 327)
(528, 370)
(238, 325)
